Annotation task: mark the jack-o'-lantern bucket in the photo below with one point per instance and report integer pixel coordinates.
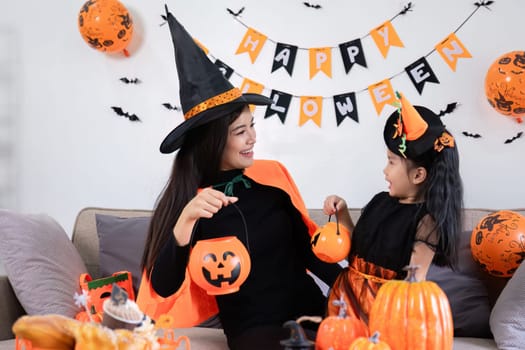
(220, 265)
(331, 242)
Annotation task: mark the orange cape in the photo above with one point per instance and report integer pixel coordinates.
(191, 305)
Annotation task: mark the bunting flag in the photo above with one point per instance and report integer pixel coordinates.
(385, 36)
(279, 106)
(451, 50)
(352, 53)
(311, 109)
(226, 70)
(203, 48)
(320, 60)
(420, 73)
(284, 57)
(345, 107)
(252, 43)
(251, 87)
(382, 94)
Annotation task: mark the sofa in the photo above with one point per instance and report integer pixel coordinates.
(105, 240)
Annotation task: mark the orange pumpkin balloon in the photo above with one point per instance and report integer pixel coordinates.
(219, 265)
(505, 84)
(338, 332)
(412, 314)
(105, 25)
(331, 242)
(498, 242)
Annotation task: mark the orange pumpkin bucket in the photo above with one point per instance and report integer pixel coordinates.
(331, 242)
(220, 265)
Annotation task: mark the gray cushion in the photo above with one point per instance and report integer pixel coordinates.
(466, 291)
(121, 244)
(506, 319)
(41, 263)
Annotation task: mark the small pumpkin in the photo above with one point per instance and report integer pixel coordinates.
(371, 343)
(338, 332)
(331, 242)
(412, 314)
(219, 265)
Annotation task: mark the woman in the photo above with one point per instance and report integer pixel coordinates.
(209, 195)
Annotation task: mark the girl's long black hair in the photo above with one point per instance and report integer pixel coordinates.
(197, 162)
(443, 195)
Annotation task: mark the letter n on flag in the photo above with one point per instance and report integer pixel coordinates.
(385, 36)
(251, 87)
(252, 43)
(320, 60)
(311, 108)
(382, 94)
(451, 50)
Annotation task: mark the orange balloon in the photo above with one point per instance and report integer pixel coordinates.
(219, 265)
(505, 85)
(105, 25)
(498, 242)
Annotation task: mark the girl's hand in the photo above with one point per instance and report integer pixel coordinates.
(333, 204)
(205, 204)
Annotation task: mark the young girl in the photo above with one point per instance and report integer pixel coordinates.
(416, 222)
(209, 194)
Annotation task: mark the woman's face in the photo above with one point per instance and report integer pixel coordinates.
(238, 152)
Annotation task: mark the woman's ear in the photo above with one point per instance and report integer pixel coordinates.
(419, 175)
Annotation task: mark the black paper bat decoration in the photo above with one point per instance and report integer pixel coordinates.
(450, 108)
(307, 4)
(130, 81)
(484, 3)
(131, 117)
(407, 8)
(170, 106)
(476, 136)
(235, 14)
(518, 135)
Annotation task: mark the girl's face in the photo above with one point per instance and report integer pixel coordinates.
(238, 152)
(403, 179)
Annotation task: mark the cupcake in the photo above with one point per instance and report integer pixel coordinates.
(120, 312)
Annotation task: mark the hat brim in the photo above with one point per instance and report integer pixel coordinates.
(421, 145)
(175, 138)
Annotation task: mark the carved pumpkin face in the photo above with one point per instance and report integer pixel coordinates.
(331, 242)
(219, 265)
(105, 25)
(505, 84)
(498, 242)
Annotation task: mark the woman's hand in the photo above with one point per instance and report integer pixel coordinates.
(205, 204)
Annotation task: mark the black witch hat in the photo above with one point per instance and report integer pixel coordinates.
(412, 131)
(205, 94)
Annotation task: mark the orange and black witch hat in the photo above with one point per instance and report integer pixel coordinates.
(411, 131)
(205, 94)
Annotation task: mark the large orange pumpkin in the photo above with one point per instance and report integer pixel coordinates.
(505, 84)
(498, 242)
(105, 25)
(412, 315)
(372, 343)
(219, 265)
(338, 332)
(331, 242)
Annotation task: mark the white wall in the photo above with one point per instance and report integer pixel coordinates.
(72, 151)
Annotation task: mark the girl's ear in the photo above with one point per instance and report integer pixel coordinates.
(419, 175)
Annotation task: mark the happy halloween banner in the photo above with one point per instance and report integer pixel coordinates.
(450, 49)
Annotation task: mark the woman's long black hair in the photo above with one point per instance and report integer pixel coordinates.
(197, 162)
